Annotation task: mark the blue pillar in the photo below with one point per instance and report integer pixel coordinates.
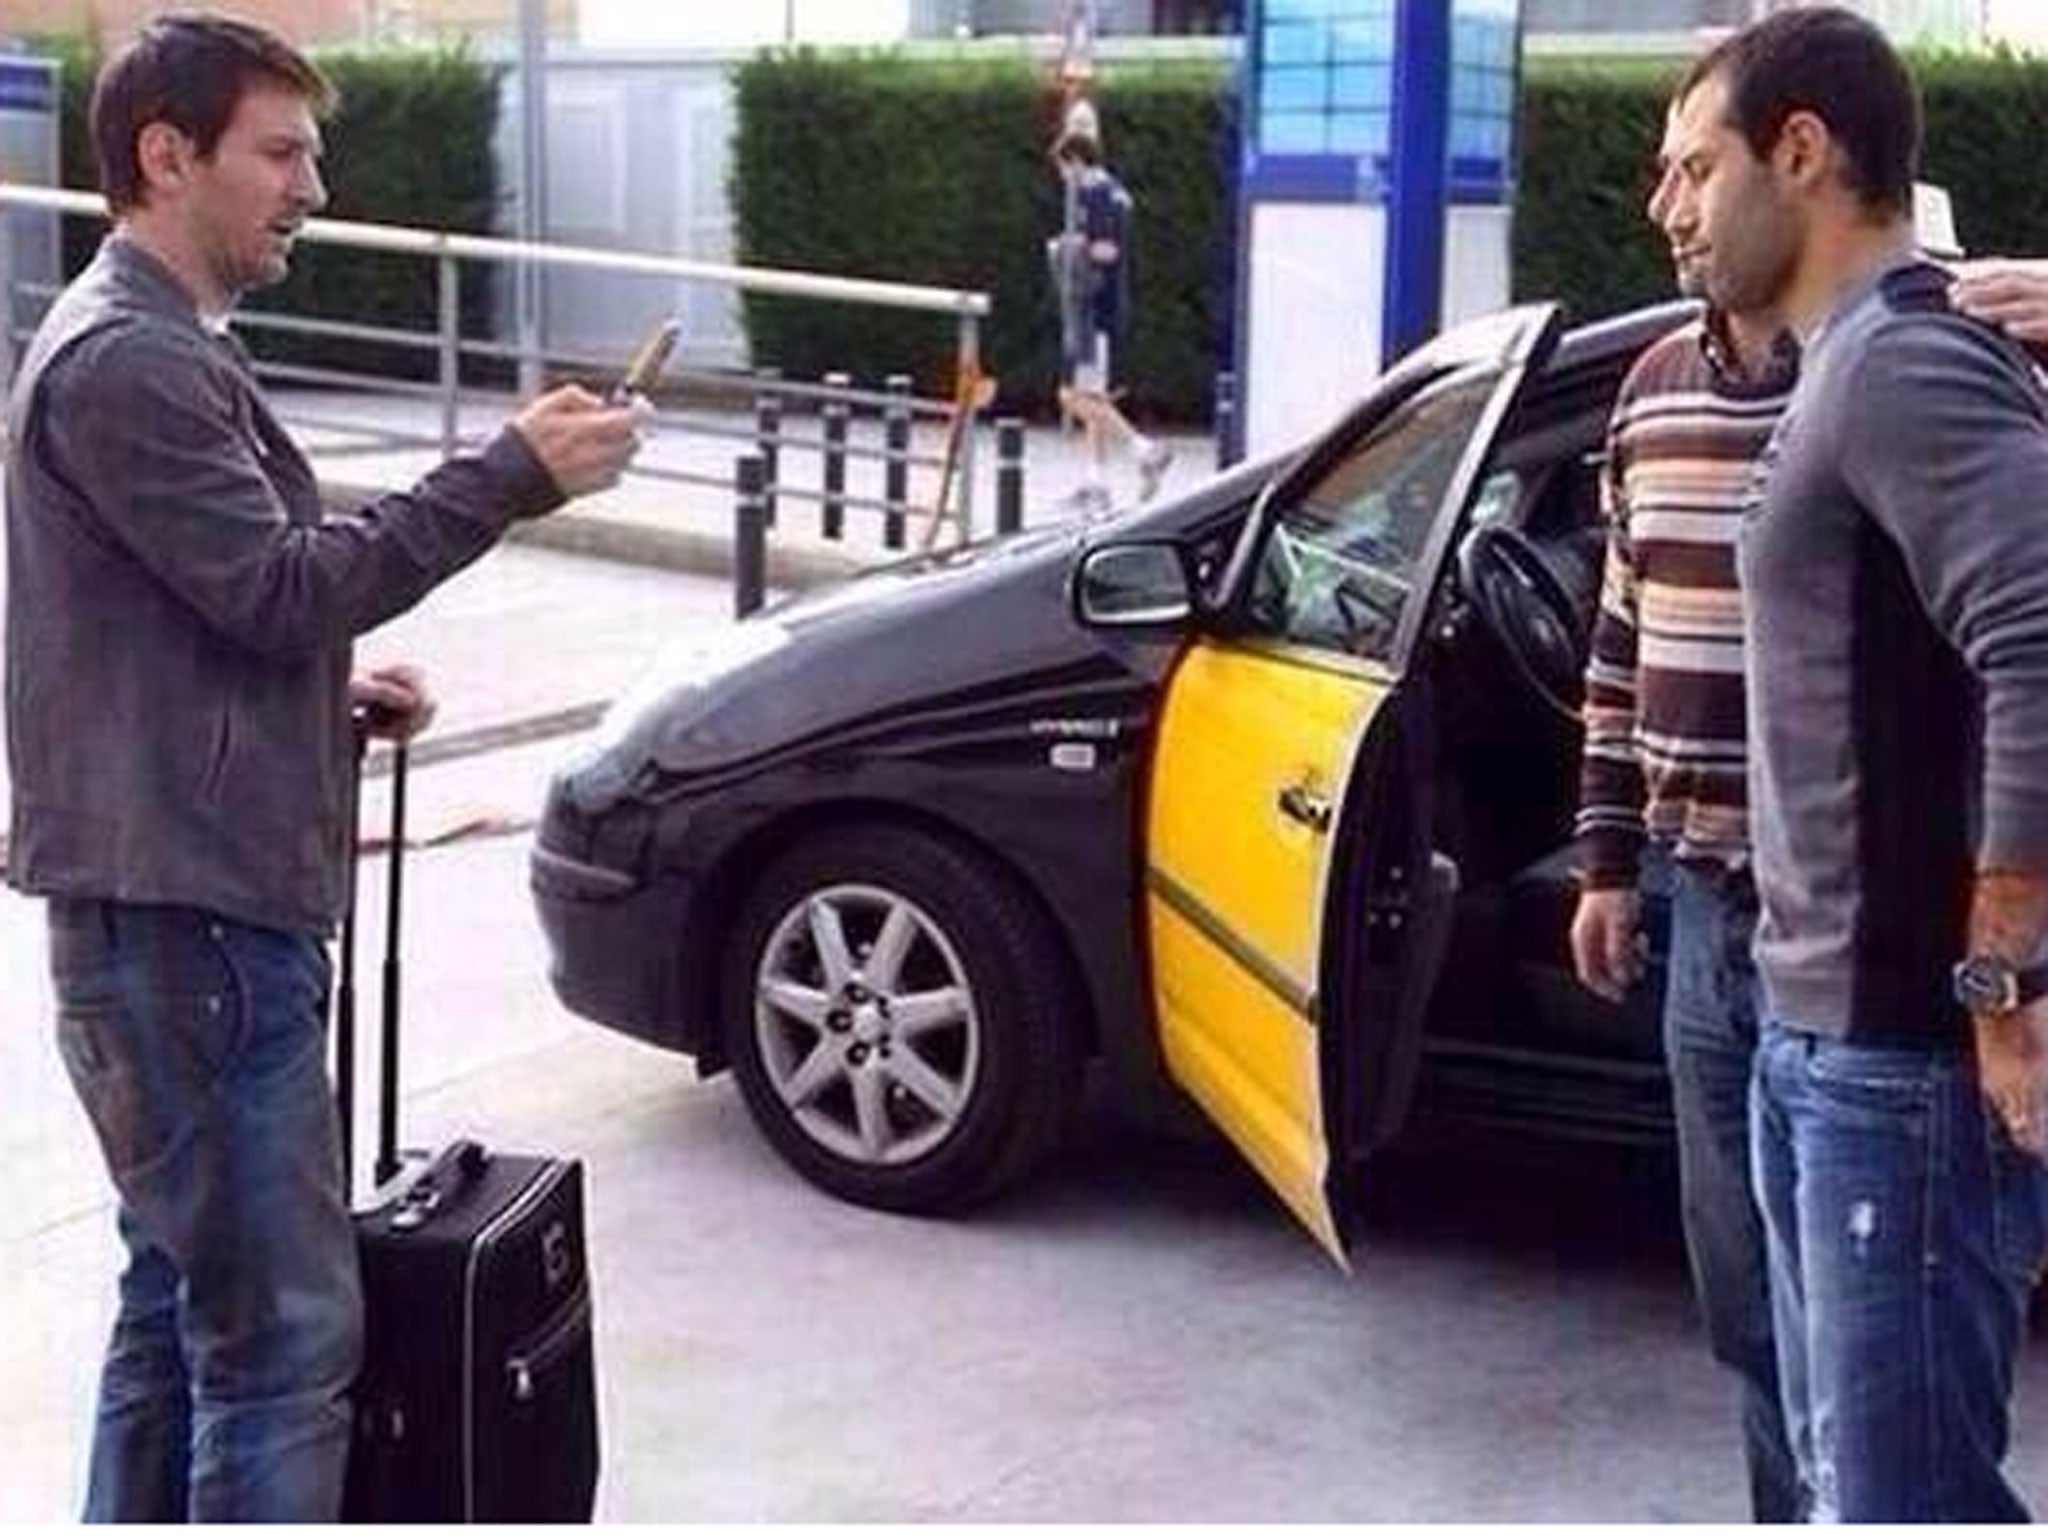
(1419, 183)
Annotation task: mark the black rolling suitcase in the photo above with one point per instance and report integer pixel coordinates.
(478, 1397)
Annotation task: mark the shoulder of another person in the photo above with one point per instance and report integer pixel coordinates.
(1914, 311)
(1916, 287)
(1914, 350)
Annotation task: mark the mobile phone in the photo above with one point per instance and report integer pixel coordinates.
(649, 358)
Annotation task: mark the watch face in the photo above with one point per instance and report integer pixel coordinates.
(1986, 984)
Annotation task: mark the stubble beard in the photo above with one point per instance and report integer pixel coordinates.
(265, 271)
(1758, 268)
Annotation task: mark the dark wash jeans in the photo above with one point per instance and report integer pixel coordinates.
(1710, 1025)
(198, 1046)
(1905, 1231)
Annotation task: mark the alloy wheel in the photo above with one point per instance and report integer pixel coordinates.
(866, 1024)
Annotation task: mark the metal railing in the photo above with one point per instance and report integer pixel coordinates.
(835, 400)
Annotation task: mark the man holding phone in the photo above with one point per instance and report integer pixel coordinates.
(172, 567)
(1664, 771)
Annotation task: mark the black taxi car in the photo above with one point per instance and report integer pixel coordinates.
(1260, 797)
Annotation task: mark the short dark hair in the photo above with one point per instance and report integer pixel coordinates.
(189, 70)
(1831, 62)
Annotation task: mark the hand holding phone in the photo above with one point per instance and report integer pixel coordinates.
(649, 358)
(584, 442)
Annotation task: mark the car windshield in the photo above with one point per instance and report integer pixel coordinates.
(1340, 563)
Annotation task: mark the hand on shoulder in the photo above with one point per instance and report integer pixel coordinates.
(2004, 292)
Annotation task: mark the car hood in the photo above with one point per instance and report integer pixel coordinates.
(940, 577)
(904, 636)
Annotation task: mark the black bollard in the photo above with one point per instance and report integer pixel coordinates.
(896, 468)
(750, 536)
(1009, 475)
(768, 436)
(834, 508)
(1226, 420)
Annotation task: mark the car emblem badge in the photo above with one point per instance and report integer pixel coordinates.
(1090, 729)
(1072, 756)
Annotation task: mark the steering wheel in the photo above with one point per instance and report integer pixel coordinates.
(1527, 608)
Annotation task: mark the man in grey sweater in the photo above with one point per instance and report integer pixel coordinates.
(1894, 566)
(178, 692)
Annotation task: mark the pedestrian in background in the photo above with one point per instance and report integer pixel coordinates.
(1090, 263)
(179, 694)
(1894, 570)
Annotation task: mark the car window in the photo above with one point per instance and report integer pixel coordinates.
(1339, 566)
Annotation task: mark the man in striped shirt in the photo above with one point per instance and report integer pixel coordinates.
(1665, 763)
(1664, 767)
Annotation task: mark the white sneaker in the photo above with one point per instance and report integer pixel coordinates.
(1153, 459)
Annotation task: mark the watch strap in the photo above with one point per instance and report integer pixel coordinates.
(2030, 982)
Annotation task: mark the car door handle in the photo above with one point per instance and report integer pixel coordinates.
(1300, 803)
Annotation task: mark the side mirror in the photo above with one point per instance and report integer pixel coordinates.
(1129, 586)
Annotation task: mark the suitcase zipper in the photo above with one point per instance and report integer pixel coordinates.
(570, 1322)
(544, 1182)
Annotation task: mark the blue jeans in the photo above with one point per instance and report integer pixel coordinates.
(1710, 1046)
(1905, 1230)
(197, 1046)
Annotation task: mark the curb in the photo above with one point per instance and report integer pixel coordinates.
(477, 740)
(678, 549)
(631, 542)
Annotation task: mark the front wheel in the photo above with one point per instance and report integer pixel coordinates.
(898, 1019)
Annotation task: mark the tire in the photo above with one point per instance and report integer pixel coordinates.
(921, 1108)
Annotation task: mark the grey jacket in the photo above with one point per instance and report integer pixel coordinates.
(179, 612)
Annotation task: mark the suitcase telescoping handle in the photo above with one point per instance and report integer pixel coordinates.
(345, 988)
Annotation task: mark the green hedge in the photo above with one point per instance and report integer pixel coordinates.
(411, 143)
(1987, 129)
(879, 165)
(876, 166)
(1589, 134)
(935, 172)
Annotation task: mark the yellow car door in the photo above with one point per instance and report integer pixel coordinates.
(1277, 748)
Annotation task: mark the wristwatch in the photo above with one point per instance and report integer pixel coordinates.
(1993, 984)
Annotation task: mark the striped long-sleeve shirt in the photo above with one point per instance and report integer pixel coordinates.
(1665, 752)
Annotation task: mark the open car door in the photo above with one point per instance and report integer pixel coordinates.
(1287, 849)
